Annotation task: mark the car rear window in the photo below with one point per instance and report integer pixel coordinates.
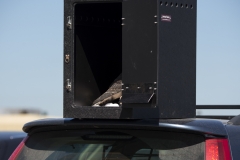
(113, 144)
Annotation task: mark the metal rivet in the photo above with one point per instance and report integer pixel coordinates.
(155, 16)
(138, 87)
(155, 82)
(155, 88)
(150, 87)
(126, 87)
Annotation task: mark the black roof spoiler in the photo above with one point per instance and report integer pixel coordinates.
(202, 126)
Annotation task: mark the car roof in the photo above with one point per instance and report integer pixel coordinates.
(5, 135)
(9, 140)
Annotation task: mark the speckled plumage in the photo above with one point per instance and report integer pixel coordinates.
(113, 93)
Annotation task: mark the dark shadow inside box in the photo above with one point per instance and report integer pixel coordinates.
(97, 49)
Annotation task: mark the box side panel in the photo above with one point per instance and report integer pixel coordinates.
(68, 64)
(139, 41)
(177, 58)
(139, 52)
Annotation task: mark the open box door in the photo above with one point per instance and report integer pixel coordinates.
(150, 43)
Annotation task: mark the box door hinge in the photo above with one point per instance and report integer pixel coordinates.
(68, 85)
(69, 22)
(67, 58)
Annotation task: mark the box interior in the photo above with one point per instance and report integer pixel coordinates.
(97, 49)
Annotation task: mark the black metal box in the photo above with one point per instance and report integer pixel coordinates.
(151, 43)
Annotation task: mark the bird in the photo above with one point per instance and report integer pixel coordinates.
(113, 93)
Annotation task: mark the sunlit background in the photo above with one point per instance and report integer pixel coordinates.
(31, 55)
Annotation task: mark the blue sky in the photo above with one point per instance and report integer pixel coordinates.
(31, 52)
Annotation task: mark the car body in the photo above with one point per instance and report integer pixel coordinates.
(9, 140)
(192, 138)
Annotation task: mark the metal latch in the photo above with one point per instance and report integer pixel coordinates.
(67, 58)
(69, 22)
(138, 92)
(69, 85)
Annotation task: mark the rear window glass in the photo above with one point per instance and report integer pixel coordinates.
(113, 144)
